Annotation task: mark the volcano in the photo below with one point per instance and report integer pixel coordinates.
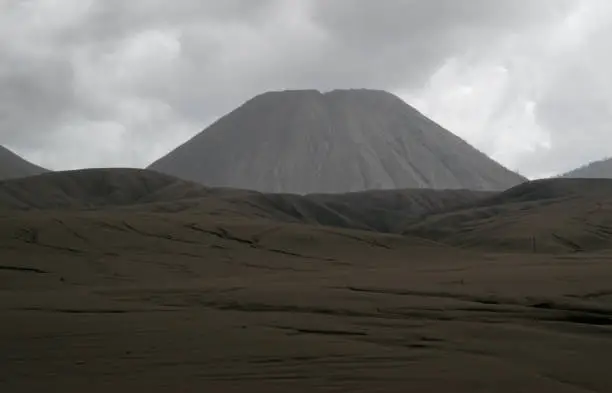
(306, 141)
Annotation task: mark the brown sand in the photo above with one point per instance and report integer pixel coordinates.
(136, 301)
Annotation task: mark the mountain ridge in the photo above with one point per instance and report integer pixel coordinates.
(548, 215)
(154, 192)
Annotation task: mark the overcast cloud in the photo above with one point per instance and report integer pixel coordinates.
(119, 83)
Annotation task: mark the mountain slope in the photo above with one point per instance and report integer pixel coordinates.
(346, 140)
(551, 215)
(12, 166)
(149, 191)
(94, 188)
(599, 169)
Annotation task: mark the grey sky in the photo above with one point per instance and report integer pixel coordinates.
(119, 83)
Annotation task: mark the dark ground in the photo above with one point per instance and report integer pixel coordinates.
(234, 296)
(90, 305)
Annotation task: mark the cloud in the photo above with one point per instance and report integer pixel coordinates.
(538, 100)
(119, 83)
(576, 107)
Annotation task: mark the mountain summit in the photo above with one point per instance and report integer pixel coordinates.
(305, 141)
(12, 166)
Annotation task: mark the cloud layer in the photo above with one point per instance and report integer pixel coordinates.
(119, 83)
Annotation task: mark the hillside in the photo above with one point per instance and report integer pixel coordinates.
(93, 188)
(12, 166)
(143, 190)
(598, 169)
(306, 141)
(552, 215)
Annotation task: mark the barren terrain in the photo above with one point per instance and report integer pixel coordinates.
(228, 292)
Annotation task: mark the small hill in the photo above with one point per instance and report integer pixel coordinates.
(143, 190)
(599, 169)
(389, 210)
(552, 215)
(305, 141)
(12, 166)
(94, 188)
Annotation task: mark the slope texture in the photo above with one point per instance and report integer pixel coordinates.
(341, 141)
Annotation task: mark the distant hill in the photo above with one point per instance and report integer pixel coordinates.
(12, 166)
(144, 190)
(94, 188)
(306, 141)
(598, 169)
(551, 215)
